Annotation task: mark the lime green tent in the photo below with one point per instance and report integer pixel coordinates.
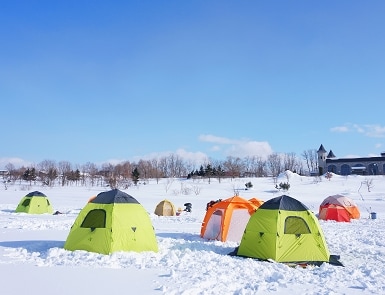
(34, 203)
(112, 221)
(284, 230)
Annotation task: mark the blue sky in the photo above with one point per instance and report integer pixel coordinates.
(97, 81)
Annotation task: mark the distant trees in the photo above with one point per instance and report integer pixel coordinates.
(233, 166)
(29, 175)
(90, 171)
(155, 169)
(292, 163)
(135, 176)
(64, 168)
(123, 174)
(13, 173)
(48, 172)
(207, 172)
(274, 162)
(260, 168)
(219, 173)
(73, 176)
(311, 159)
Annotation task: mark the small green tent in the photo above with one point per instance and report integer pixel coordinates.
(284, 230)
(112, 221)
(34, 203)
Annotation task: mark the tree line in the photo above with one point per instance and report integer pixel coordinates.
(50, 173)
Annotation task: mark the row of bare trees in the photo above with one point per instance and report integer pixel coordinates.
(49, 172)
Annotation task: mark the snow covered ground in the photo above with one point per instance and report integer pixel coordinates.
(32, 258)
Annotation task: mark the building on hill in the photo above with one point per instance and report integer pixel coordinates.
(328, 162)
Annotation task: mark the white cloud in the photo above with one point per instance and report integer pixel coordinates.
(194, 157)
(238, 147)
(358, 128)
(215, 148)
(370, 130)
(249, 148)
(17, 162)
(374, 130)
(339, 129)
(215, 139)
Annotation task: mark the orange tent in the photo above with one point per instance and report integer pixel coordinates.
(338, 208)
(257, 202)
(226, 220)
(90, 199)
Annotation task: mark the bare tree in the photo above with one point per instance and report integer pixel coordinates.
(155, 170)
(117, 176)
(299, 167)
(368, 183)
(176, 167)
(90, 171)
(47, 172)
(249, 164)
(19, 173)
(218, 168)
(196, 189)
(274, 162)
(145, 168)
(12, 172)
(260, 167)
(255, 166)
(108, 174)
(64, 168)
(168, 184)
(173, 165)
(127, 172)
(311, 158)
(234, 166)
(289, 162)
(189, 166)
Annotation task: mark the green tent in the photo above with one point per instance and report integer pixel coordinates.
(284, 230)
(34, 203)
(112, 221)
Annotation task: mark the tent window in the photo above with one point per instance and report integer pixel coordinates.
(218, 212)
(296, 225)
(26, 202)
(95, 219)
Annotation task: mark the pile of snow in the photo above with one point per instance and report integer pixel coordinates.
(32, 257)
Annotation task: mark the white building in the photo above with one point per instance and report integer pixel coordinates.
(327, 162)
